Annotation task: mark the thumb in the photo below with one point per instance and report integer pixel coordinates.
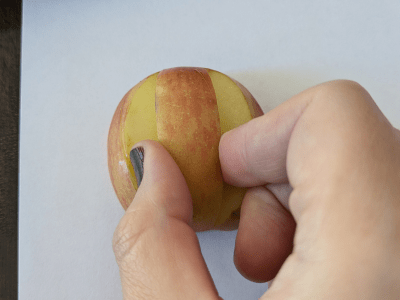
(157, 250)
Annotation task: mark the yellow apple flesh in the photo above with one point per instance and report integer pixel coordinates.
(186, 110)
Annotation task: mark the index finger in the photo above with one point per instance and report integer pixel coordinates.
(254, 154)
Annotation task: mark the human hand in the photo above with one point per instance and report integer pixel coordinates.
(328, 156)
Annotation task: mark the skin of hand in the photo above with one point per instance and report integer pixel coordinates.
(321, 216)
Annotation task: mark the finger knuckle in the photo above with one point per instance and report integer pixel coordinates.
(126, 236)
(342, 92)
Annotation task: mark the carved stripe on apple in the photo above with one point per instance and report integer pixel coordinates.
(187, 110)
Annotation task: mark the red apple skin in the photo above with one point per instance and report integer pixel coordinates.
(188, 126)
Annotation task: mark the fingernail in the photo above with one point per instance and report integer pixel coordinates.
(137, 158)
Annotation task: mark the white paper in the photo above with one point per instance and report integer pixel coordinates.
(80, 57)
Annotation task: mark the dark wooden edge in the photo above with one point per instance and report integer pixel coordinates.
(10, 53)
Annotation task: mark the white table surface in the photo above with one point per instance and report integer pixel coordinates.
(80, 57)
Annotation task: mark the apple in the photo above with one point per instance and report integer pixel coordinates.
(187, 110)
